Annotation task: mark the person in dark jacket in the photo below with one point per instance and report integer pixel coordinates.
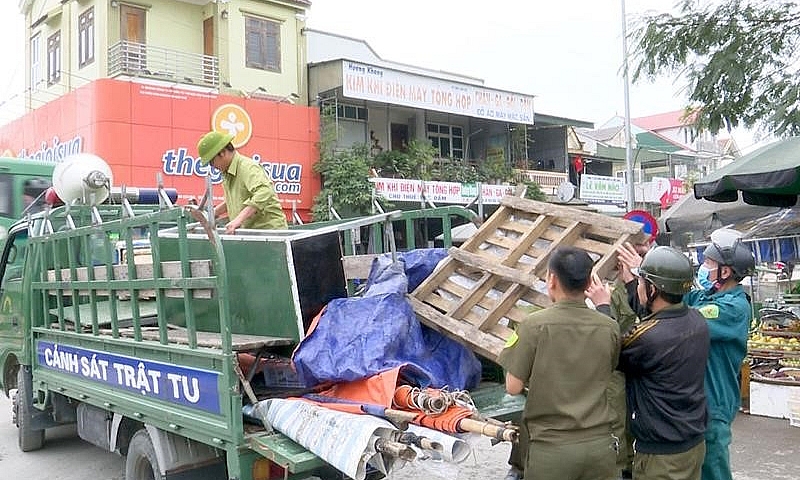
(664, 358)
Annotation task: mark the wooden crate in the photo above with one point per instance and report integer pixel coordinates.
(496, 278)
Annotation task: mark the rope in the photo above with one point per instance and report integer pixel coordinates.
(431, 401)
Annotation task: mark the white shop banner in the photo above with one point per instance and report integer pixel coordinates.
(402, 190)
(598, 188)
(369, 82)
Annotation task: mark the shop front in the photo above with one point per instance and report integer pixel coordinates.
(147, 130)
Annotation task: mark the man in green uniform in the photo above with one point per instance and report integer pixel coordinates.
(727, 311)
(250, 199)
(565, 355)
(623, 309)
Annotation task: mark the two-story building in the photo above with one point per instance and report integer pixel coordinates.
(387, 104)
(138, 82)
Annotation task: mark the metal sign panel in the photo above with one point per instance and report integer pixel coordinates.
(186, 386)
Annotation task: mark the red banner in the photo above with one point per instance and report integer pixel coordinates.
(673, 194)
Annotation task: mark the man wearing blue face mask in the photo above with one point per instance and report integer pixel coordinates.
(704, 277)
(725, 306)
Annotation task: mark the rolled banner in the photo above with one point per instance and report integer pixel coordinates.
(454, 449)
(345, 440)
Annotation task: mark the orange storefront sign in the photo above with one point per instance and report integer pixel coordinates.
(143, 130)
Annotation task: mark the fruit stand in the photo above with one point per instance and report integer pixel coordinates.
(773, 383)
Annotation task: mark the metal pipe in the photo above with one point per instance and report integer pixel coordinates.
(628, 151)
(395, 449)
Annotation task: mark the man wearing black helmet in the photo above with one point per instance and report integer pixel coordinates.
(727, 311)
(664, 359)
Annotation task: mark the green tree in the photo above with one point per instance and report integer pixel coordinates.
(533, 190)
(394, 164)
(421, 154)
(495, 170)
(345, 175)
(739, 58)
(414, 161)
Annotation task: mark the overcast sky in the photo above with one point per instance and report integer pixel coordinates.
(567, 53)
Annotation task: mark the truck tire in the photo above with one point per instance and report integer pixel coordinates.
(141, 462)
(28, 438)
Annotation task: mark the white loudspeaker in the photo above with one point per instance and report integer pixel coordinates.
(82, 178)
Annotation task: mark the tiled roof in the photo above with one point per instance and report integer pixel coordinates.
(602, 134)
(663, 121)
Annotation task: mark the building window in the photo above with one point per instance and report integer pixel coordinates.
(54, 58)
(86, 38)
(262, 44)
(448, 140)
(36, 62)
(350, 112)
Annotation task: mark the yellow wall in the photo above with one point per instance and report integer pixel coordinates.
(174, 25)
(291, 78)
(53, 10)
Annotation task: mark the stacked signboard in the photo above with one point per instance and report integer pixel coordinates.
(497, 277)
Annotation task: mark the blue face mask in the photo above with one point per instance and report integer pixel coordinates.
(702, 277)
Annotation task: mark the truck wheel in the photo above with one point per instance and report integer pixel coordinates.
(28, 438)
(141, 462)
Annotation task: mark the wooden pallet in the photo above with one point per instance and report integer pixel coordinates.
(496, 278)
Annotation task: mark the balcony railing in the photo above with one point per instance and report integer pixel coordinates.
(547, 180)
(141, 60)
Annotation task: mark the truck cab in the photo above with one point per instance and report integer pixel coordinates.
(12, 261)
(22, 182)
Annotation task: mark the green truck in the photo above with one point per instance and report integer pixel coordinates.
(139, 347)
(22, 181)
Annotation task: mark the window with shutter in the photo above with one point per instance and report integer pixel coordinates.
(262, 44)
(54, 58)
(36, 62)
(86, 37)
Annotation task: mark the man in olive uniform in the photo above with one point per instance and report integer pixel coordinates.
(664, 358)
(624, 309)
(250, 199)
(727, 311)
(565, 355)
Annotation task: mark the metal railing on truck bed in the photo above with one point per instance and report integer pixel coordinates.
(102, 328)
(156, 340)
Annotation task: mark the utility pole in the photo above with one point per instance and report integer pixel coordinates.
(628, 151)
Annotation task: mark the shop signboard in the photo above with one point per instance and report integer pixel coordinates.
(402, 190)
(601, 189)
(370, 82)
(143, 130)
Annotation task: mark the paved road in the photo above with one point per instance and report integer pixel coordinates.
(763, 449)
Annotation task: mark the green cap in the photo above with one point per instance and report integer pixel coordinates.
(211, 144)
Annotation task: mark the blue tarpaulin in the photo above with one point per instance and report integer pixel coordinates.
(359, 337)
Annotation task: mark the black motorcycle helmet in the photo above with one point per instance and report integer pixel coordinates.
(668, 270)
